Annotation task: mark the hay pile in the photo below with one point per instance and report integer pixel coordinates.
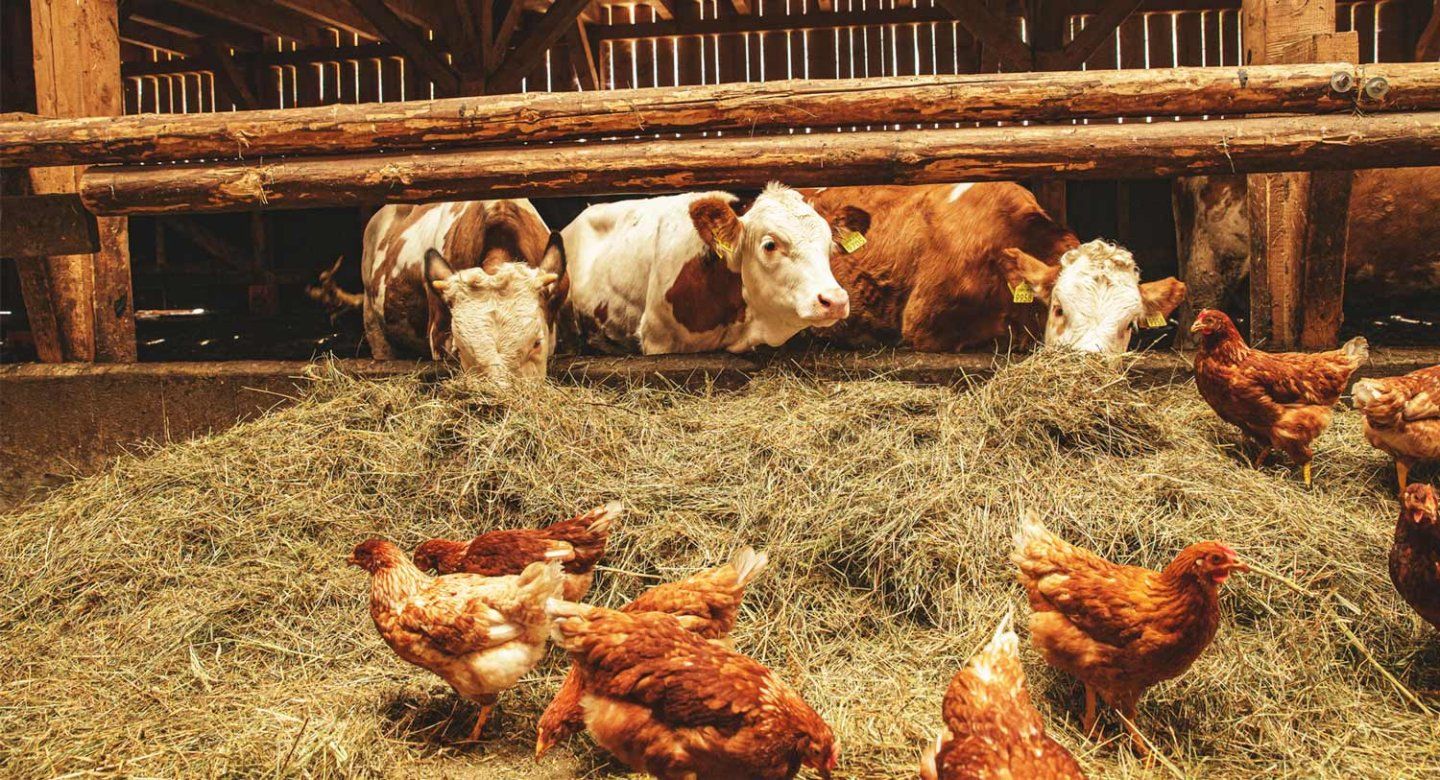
(190, 613)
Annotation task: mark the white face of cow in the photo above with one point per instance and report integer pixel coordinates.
(781, 249)
(1095, 297)
(497, 322)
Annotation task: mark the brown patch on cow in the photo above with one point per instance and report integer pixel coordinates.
(930, 269)
(490, 234)
(602, 313)
(706, 295)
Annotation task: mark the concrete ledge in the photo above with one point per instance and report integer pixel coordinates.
(60, 421)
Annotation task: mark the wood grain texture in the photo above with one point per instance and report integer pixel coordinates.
(1132, 150)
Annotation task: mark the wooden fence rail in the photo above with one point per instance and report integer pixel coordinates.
(1130, 150)
(741, 108)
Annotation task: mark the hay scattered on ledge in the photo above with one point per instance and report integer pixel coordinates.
(189, 613)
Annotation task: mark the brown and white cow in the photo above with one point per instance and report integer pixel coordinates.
(690, 273)
(478, 281)
(940, 266)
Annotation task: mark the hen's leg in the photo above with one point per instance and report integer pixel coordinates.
(1402, 473)
(1264, 453)
(1305, 472)
(487, 706)
(1088, 721)
(1128, 710)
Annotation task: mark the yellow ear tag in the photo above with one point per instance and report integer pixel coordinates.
(723, 249)
(851, 241)
(1155, 320)
(1022, 293)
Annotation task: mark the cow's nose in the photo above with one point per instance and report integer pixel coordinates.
(834, 302)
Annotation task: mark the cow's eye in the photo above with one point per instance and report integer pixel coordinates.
(1057, 312)
(768, 245)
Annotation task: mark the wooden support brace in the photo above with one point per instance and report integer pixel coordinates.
(582, 59)
(1089, 40)
(230, 78)
(506, 31)
(420, 52)
(993, 30)
(530, 50)
(42, 225)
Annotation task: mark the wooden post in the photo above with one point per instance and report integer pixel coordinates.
(1047, 35)
(77, 73)
(1297, 220)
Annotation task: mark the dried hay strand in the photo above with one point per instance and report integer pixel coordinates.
(189, 612)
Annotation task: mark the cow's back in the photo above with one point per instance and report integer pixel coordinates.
(622, 257)
(929, 274)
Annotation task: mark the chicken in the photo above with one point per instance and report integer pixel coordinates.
(1281, 400)
(991, 729)
(1119, 629)
(667, 702)
(1402, 417)
(579, 542)
(1415, 554)
(479, 634)
(705, 603)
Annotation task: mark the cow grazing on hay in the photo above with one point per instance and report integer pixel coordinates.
(477, 281)
(953, 266)
(693, 273)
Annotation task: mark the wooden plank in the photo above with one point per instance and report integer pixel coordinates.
(507, 119)
(1160, 31)
(1133, 51)
(582, 58)
(1189, 33)
(1098, 31)
(41, 225)
(1132, 150)
(1394, 43)
(230, 79)
(77, 68)
(338, 14)
(1427, 48)
(1363, 23)
(262, 17)
(194, 24)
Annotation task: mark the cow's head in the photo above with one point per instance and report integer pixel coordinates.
(1095, 297)
(781, 249)
(497, 322)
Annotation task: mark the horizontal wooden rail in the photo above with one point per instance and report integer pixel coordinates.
(1130, 150)
(743, 108)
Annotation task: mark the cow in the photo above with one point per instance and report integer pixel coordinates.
(691, 273)
(1392, 254)
(952, 266)
(478, 281)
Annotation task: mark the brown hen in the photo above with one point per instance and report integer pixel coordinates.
(992, 732)
(667, 702)
(1282, 400)
(579, 542)
(1415, 554)
(480, 634)
(1119, 629)
(706, 603)
(1402, 417)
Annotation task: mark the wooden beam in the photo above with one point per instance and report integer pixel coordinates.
(530, 49)
(1298, 221)
(41, 225)
(1427, 47)
(993, 30)
(508, 24)
(742, 7)
(261, 16)
(773, 106)
(582, 59)
(420, 52)
(334, 13)
(230, 78)
(1131, 150)
(138, 31)
(77, 73)
(193, 24)
(1097, 31)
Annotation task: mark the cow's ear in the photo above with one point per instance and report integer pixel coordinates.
(718, 225)
(849, 226)
(557, 287)
(1161, 297)
(437, 270)
(1023, 270)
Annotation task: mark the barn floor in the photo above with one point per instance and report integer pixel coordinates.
(189, 612)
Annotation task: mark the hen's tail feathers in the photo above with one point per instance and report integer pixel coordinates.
(541, 580)
(747, 565)
(1357, 350)
(1366, 392)
(929, 770)
(604, 518)
(560, 551)
(1031, 530)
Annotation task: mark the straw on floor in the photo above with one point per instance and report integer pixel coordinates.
(189, 612)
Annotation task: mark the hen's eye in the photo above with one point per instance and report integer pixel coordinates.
(768, 245)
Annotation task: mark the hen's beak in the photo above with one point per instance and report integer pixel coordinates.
(352, 560)
(1239, 567)
(1195, 326)
(541, 746)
